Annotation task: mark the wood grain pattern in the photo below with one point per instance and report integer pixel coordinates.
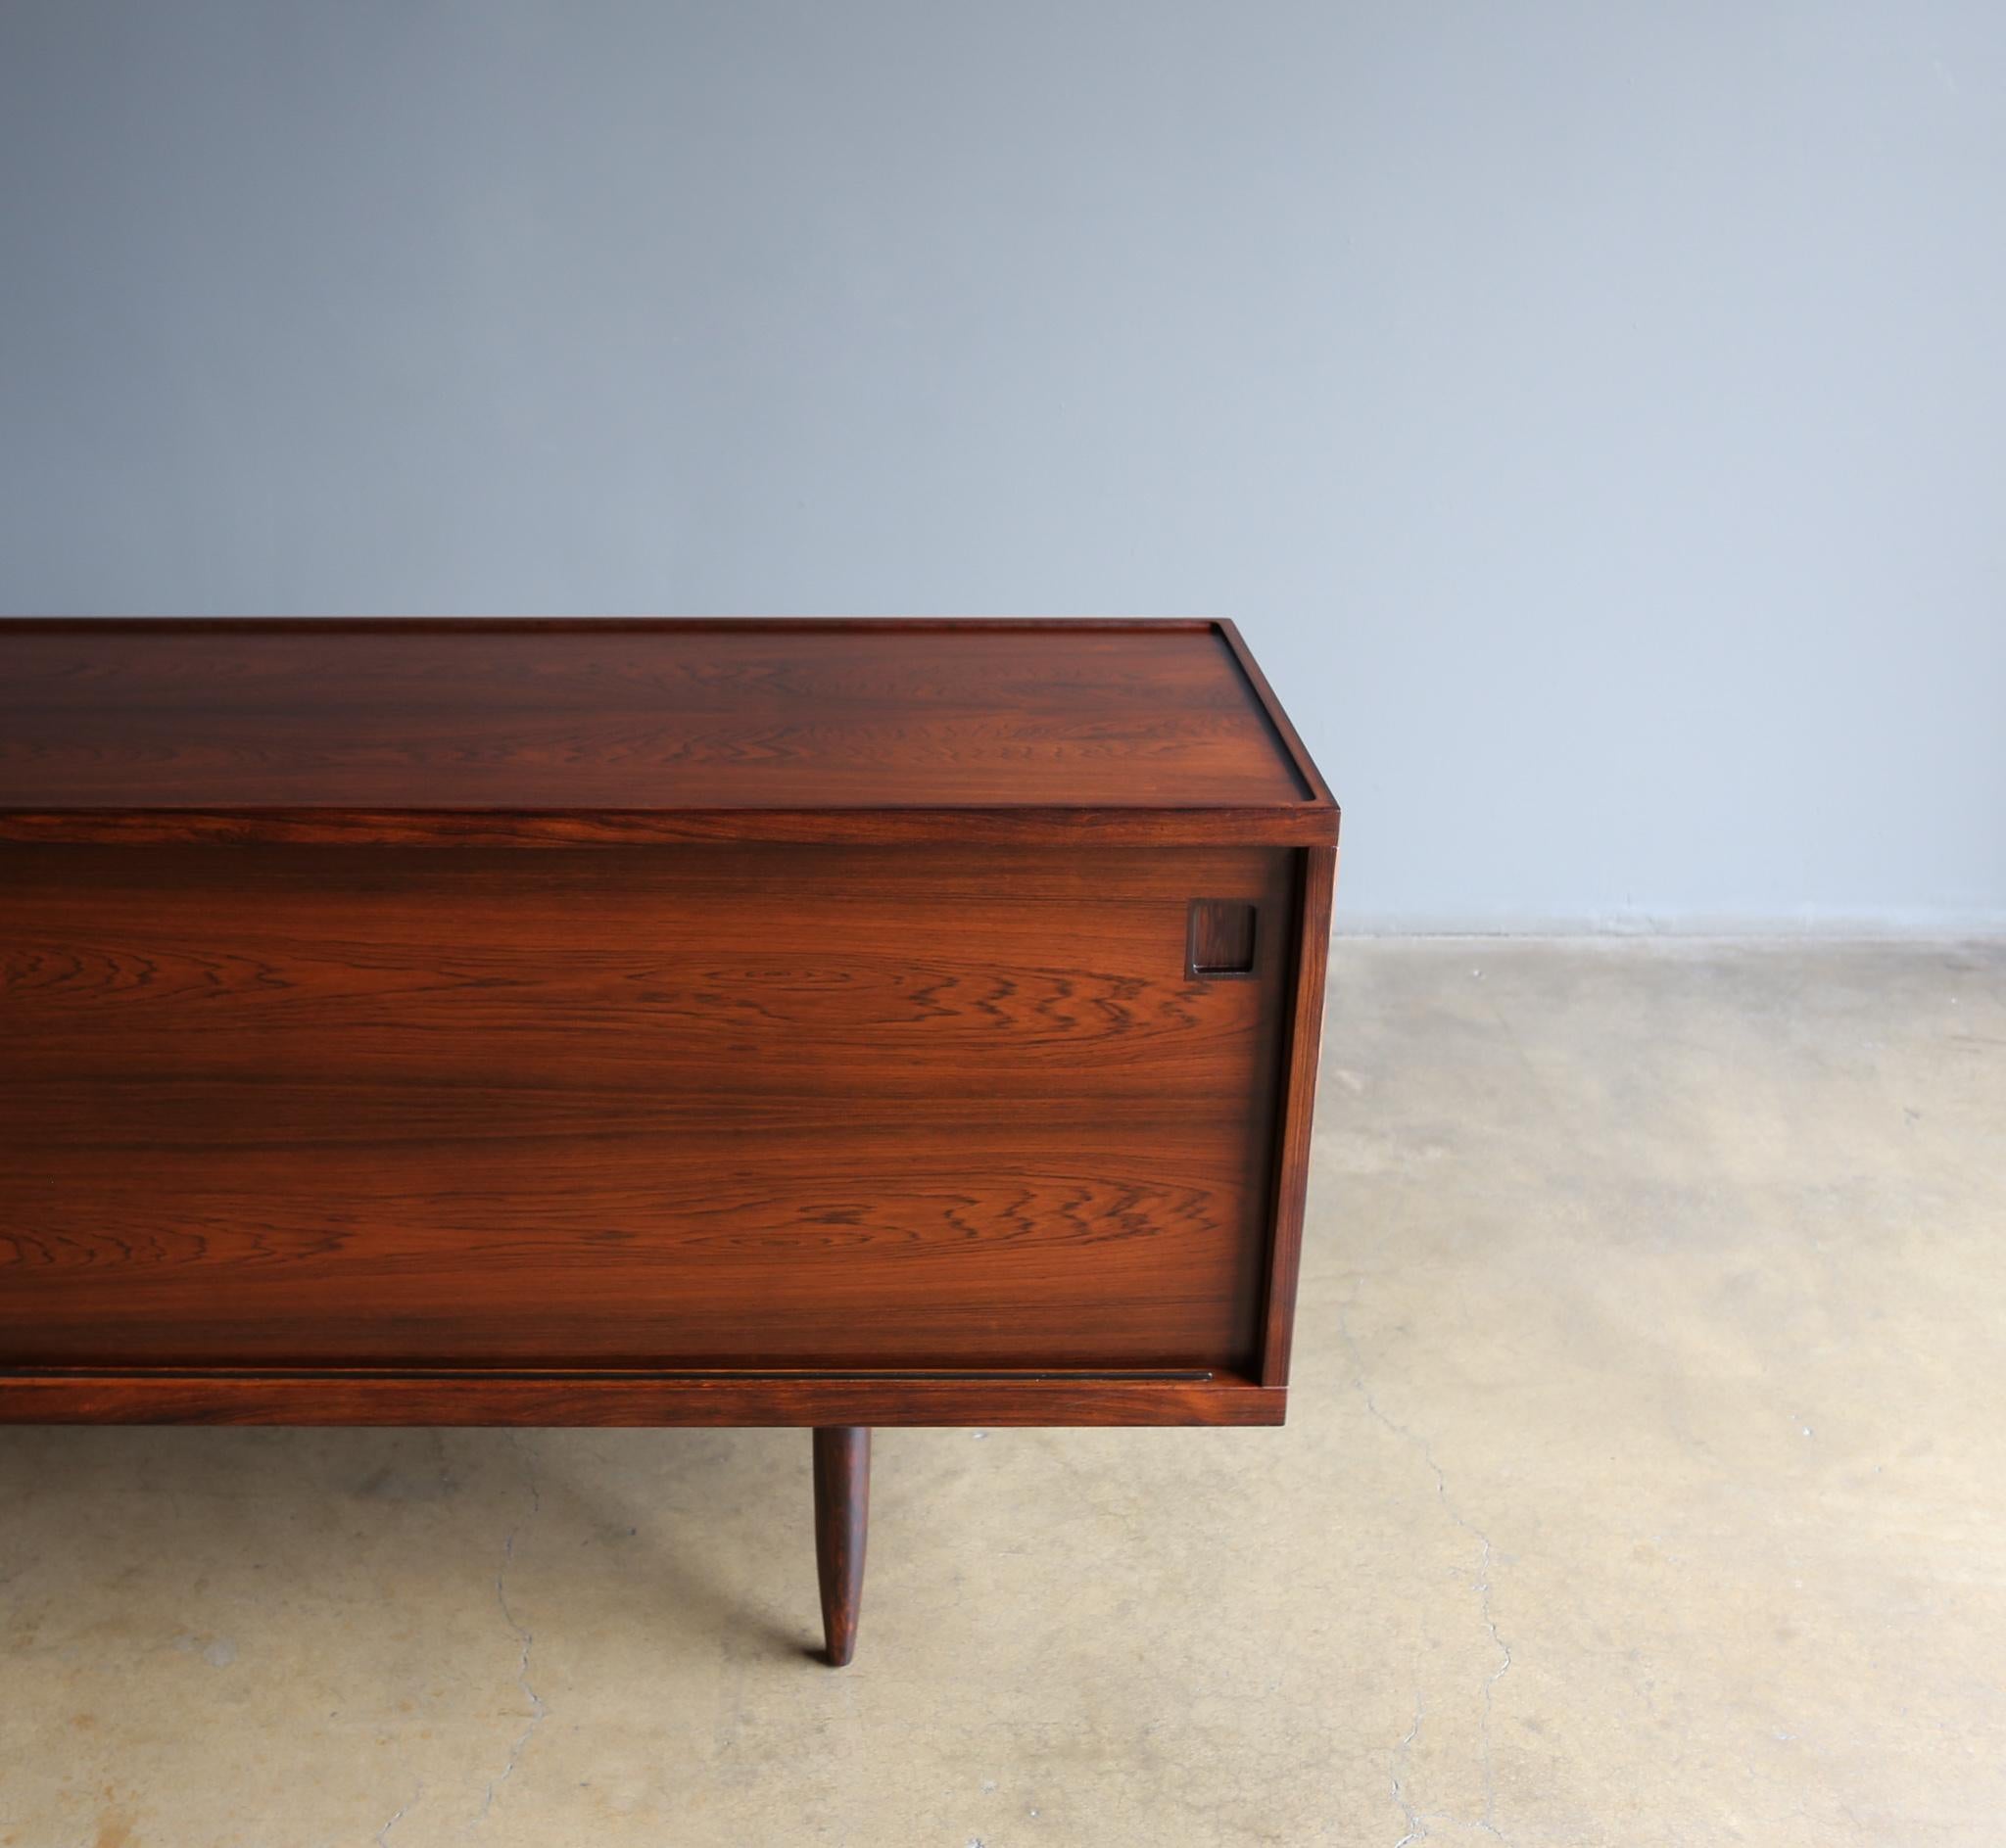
(515, 729)
(858, 1074)
(494, 1396)
(1309, 777)
(1310, 950)
(1086, 829)
(739, 1106)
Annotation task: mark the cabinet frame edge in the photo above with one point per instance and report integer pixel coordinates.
(657, 1400)
(1316, 881)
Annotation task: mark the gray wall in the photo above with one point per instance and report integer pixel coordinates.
(1594, 413)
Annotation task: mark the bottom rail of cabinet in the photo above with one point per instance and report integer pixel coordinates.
(467, 1396)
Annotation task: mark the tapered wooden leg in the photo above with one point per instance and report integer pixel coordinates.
(842, 1514)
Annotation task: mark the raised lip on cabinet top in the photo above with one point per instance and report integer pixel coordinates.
(1293, 806)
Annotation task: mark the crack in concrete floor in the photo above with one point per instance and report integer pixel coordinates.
(403, 1810)
(1480, 1583)
(538, 1709)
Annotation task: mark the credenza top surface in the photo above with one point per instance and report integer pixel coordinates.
(1130, 730)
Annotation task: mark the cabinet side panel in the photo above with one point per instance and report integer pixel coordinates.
(701, 1107)
(1310, 951)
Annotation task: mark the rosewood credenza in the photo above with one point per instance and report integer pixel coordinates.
(637, 1023)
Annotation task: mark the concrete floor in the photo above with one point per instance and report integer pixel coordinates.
(1645, 1483)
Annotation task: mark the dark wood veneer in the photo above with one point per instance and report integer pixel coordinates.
(842, 1500)
(899, 1023)
(659, 729)
(615, 1397)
